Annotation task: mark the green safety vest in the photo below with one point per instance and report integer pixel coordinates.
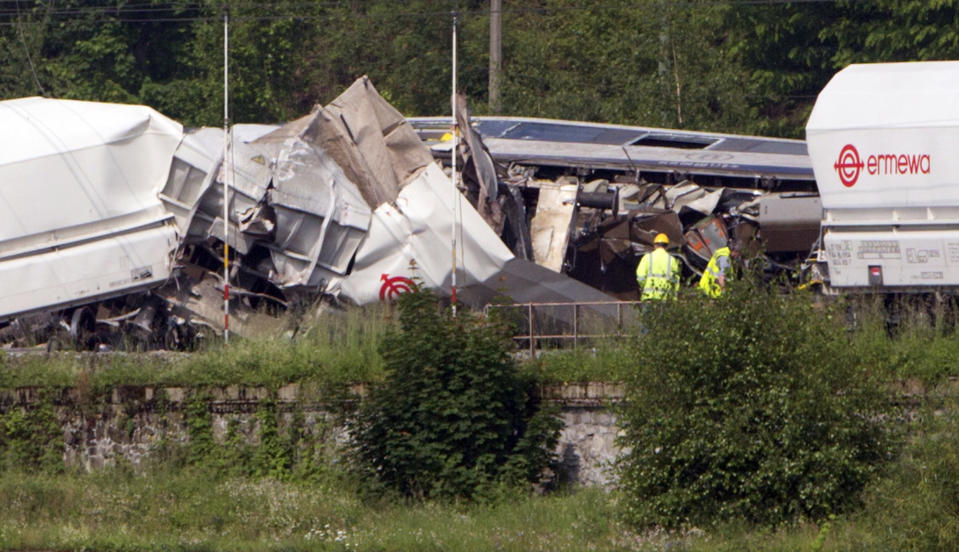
(709, 283)
(658, 274)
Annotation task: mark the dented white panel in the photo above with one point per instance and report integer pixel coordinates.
(551, 226)
(413, 242)
(66, 163)
(81, 216)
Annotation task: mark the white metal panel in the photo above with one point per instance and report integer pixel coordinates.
(321, 215)
(98, 268)
(413, 241)
(66, 163)
(192, 171)
(884, 135)
(552, 223)
(81, 217)
(907, 259)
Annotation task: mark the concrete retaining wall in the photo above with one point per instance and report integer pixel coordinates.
(132, 423)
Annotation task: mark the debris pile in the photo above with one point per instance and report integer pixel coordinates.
(587, 199)
(117, 223)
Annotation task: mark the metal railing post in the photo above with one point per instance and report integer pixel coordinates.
(575, 325)
(532, 348)
(619, 319)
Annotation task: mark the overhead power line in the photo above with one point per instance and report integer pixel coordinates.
(307, 11)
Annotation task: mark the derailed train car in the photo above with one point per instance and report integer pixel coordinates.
(595, 195)
(113, 221)
(112, 224)
(80, 220)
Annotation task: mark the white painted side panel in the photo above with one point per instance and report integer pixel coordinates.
(907, 259)
(103, 267)
(885, 135)
(68, 163)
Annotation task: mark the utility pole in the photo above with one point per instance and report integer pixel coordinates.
(227, 169)
(495, 55)
(456, 191)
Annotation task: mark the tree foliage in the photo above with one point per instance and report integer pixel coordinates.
(753, 406)
(452, 418)
(734, 67)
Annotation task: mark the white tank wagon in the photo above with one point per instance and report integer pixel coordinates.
(80, 219)
(883, 138)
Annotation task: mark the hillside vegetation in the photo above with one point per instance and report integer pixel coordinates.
(746, 67)
(776, 446)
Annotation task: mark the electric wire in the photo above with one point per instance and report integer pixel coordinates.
(146, 13)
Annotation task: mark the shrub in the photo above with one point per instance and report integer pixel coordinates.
(452, 416)
(752, 407)
(31, 438)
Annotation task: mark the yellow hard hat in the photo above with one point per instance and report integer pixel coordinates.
(661, 239)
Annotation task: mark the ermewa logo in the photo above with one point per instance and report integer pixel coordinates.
(849, 165)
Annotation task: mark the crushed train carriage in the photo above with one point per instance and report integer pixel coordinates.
(113, 214)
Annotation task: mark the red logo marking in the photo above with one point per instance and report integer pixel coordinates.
(848, 165)
(394, 286)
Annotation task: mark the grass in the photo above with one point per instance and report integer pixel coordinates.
(190, 511)
(342, 347)
(336, 348)
(911, 506)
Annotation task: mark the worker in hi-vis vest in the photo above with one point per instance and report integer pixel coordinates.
(658, 271)
(713, 282)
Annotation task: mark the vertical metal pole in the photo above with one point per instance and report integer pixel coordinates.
(495, 55)
(226, 178)
(575, 325)
(456, 192)
(619, 319)
(532, 348)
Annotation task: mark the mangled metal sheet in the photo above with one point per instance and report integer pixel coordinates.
(551, 225)
(370, 141)
(479, 172)
(195, 296)
(320, 217)
(706, 237)
(192, 171)
(79, 213)
(348, 201)
(712, 185)
(249, 171)
(689, 195)
(411, 242)
(286, 195)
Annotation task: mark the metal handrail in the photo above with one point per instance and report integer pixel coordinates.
(533, 337)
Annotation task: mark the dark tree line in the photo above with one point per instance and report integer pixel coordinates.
(735, 66)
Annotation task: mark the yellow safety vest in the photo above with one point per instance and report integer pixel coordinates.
(709, 283)
(658, 274)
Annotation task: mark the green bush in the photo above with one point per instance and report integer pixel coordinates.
(452, 416)
(31, 438)
(750, 407)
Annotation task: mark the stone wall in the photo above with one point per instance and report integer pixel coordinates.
(132, 423)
